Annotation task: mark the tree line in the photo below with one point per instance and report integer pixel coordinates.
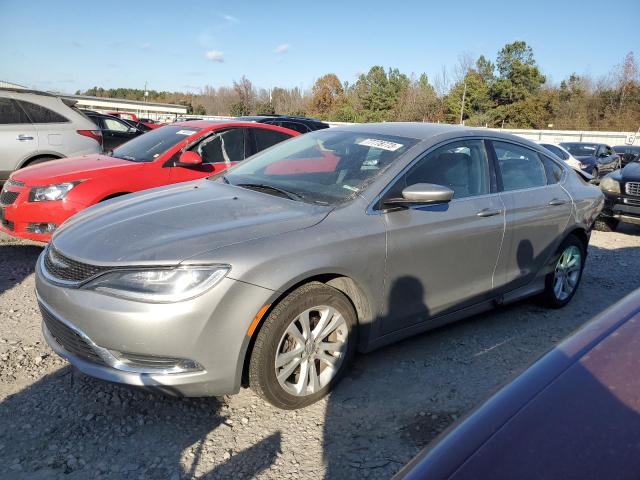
(509, 91)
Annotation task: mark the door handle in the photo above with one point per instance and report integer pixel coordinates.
(488, 212)
(23, 138)
(556, 202)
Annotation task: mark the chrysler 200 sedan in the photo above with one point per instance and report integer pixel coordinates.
(273, 273)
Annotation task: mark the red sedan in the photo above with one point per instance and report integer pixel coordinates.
(36, 200)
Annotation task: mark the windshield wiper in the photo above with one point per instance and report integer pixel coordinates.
(282, 191)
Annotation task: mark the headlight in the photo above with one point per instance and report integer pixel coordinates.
(610, 185)
(51, 192)
(161, 285)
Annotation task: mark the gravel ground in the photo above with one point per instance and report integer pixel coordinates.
(58, 423)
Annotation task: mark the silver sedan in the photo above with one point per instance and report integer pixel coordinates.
(274, 274)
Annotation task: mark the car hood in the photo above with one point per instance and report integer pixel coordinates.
(586, 158)
(168, 225)
(71, 169)
(631, 172)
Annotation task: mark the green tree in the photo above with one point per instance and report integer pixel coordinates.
(519, 75)
(477, 101)
(377, 92)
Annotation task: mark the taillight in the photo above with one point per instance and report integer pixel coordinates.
(95, 134)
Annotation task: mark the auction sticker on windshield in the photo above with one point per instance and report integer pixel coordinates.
(185, 132)
(382, 144)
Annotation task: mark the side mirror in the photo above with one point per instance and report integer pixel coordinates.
(133, 130)
(189, 159)
(422, 193)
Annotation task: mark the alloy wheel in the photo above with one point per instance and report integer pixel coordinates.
(311, 350)
(567, 272)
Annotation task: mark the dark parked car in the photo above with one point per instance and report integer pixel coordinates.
(628, 153)
(299, 124)
(115, 131)
(621, 198)
(597, 159)
(575, 414)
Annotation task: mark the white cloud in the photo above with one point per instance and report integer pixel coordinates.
(214, 56)
(230, 18)
(282, 49)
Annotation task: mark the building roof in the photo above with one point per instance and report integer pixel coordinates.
(122, 104)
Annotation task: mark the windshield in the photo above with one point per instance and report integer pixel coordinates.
(148, 147)
(581, 149)
(326, 166)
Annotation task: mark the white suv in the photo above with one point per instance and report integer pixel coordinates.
(37, 126)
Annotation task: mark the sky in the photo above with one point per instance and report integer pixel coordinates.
(184, 45)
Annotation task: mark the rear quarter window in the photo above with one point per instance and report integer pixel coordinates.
(11, 113)
(40, 114)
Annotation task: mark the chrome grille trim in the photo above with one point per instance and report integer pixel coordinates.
(633, 188)
(70, 339)
(62, 270)
(13, 183)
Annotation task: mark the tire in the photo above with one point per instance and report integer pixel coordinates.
(604, 224)
(40, 160)
(569, 276)
(594, 174)
(318, 303)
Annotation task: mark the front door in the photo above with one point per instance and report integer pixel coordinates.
(442, 257)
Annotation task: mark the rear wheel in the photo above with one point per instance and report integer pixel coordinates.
(561, 283)
(604, 224)
(304, 347)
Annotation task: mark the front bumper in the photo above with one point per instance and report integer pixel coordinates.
(17, 216)
(209, 330)
(622, 207)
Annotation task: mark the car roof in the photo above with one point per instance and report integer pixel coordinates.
(417, 130)
(204, 124)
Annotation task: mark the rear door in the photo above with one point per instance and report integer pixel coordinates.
(262, 138)
(441, 258)
(537, 212)
(116, 132)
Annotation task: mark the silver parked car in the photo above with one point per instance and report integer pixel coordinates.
(38, 126)
(275, 272)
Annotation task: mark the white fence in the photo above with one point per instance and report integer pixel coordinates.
(549, 136)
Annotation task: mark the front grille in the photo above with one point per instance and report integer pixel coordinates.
(67, 270)
(633, 188)
(68, 338)
(14, 183)
(7, 197)
(632, 201)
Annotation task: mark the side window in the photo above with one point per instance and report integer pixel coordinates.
(608, 150)
(559, 152)
(223, 147)
(462, 166)
(554, 171)
(40, 114)
(11, 113)
(296, 126)
(266, 138)
(519, 166)
(115, 125)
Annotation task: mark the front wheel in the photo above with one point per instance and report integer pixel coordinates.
(561, 283)
(304, 347)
